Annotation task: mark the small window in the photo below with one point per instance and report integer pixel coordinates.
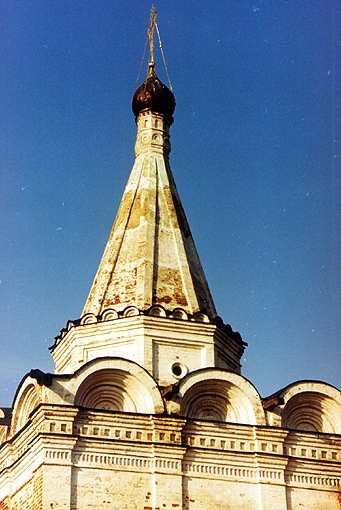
(179, 370)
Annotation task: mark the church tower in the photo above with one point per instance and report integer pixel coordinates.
(150, 301)
(147, 408)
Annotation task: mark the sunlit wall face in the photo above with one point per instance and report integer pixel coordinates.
(254, 155)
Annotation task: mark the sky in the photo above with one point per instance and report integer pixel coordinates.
(255, 157)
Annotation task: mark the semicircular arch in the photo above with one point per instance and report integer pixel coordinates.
(220, 395)
(119, 385)
(312, 406)
(28, 397)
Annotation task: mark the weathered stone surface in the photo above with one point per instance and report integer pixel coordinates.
(78, 458)
(154, 342)
(150, 257)
(147, 409)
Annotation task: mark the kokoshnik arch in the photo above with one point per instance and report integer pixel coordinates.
(147, 408)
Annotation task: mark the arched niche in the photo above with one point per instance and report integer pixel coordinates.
(117, 384)
(312, 407)
(28, 397)
(219, 395)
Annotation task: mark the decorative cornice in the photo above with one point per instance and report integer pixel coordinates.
(111, 314)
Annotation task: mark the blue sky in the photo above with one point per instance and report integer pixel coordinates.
(254, 153)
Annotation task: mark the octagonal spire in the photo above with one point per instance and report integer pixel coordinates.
(150, 258)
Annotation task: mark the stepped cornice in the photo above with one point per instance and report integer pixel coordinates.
(180, 314)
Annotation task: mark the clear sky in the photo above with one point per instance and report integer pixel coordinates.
(254, 153)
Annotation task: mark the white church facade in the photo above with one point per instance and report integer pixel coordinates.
(147, 408)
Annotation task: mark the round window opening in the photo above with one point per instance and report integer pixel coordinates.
(179, 370)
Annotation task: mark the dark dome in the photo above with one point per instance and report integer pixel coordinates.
(155, 96)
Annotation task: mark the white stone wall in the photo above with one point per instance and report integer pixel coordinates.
(153, 342)
(88, 459)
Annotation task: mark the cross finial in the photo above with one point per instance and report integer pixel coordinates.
(151, 28)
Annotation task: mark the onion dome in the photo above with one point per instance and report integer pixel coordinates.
(155, 96)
